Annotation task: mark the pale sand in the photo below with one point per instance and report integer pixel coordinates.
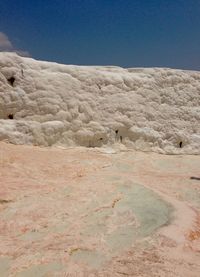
(90, 212)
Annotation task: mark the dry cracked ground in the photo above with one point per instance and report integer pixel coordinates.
(95, 212)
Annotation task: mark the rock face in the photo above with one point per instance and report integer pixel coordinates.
(46, 104)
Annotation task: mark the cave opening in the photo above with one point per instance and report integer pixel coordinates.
(11, 116)
(11, 81)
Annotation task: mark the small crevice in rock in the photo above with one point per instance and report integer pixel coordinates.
(11, 116)
(11, 81)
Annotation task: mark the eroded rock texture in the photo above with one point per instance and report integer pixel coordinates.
(45, 103)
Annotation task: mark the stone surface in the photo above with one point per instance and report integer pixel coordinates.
(43, 103)
(98, 212)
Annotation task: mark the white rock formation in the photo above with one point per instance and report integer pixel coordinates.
(143, 108)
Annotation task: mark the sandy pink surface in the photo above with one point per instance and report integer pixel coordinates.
(83, 212)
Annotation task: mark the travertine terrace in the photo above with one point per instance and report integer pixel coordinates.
(52, 104)
(86, 187)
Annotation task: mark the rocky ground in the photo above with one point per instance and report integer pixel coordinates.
(98, 212)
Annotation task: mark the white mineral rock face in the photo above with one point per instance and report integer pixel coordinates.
(52, 104)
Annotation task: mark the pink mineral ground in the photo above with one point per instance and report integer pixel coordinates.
(95, 212)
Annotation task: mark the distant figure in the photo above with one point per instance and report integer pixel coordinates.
(116, 136)
(180, 144)
(120, 138)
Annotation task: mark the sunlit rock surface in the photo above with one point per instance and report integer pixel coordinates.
(43, 103)
(85, 212)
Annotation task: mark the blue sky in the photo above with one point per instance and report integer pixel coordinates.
(128, 33)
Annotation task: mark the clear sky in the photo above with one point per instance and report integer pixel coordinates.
(128, 33)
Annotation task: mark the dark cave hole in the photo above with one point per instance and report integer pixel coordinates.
(180, 144)
(11, 81)
(11, 116)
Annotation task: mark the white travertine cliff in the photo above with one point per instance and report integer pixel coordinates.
(149, 109)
